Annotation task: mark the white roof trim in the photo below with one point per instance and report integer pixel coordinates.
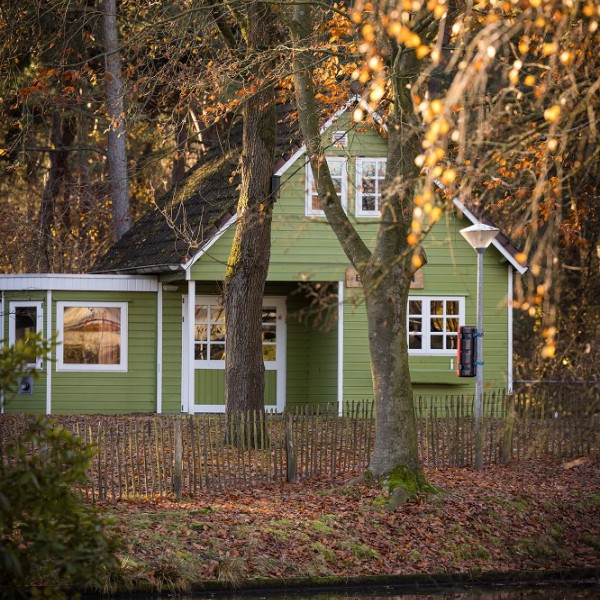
(79, 282)
(187, 266)
(338, 113)
(509, 257)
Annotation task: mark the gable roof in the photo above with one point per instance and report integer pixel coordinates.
(195, 210)
(195, 213)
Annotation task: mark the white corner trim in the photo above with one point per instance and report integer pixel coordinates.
(191, 371)
(510, 295)
(509, 257)
(49, 356)
(159, 348)
(338, 113)
(340, 366)
(202, 251)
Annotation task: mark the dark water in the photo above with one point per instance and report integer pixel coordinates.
(545, 592)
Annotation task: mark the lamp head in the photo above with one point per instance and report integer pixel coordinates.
(479, 236)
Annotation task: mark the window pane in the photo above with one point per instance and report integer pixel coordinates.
(25, 323)
(269, 314)
(415, 324)
(451, 342)
(269, 333)
(200, 332)
(269, 352)
(217, 352)
(381, 171)
(369, 203)
(217, 314)
(201, 313)
(335, 168)
(217, 333)
(437, 307)
(414, 342)
(200, 352)
(437, 342)
(368, 185)
(414, 307)
(92, 335)
(437, 324)
(452, 307)
(452, 324)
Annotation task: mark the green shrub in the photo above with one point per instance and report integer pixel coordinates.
(48, 536)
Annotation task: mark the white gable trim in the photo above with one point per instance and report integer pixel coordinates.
(338, 113)
(509, 257)
(78, 283)
(188, 266)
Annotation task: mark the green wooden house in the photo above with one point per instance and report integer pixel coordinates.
(145, 332)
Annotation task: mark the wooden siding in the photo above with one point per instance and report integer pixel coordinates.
(171, 356)
(113, 393)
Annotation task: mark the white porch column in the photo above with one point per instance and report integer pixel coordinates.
(340, 370)
(191, 317)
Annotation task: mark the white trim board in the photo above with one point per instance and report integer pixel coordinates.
(202, 251)
(79, 283)
(507, 255)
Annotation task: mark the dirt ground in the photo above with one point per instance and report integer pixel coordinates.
(525, 516)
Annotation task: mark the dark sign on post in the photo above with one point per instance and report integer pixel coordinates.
(466, 351)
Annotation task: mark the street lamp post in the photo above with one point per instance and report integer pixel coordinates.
(479, 237)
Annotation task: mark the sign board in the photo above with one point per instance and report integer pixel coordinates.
(353, 279)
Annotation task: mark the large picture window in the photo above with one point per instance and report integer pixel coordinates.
(370, 173)
(92, 336)
(25, 320)
(433, 324)
(339, 174)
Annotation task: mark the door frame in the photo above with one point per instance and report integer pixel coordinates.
(279, 365)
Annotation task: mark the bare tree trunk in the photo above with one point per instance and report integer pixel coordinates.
(117, 150)
(249, 258)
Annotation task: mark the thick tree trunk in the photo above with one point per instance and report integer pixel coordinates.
(117, 150)
(386, 272)
(249, 258)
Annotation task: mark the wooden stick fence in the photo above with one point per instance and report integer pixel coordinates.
(162, 455)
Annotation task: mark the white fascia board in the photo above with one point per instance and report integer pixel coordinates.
(79, 282)
(187, 266)
(509, 257)
(338, 113)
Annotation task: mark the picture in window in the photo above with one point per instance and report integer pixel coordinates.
(91, 335)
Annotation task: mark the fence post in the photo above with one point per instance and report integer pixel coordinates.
(290, 449)
(178, 466)
(509, 424)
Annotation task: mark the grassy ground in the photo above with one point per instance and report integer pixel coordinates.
(529, 515)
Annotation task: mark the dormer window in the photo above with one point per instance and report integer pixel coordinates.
(339, 174)
(370, 173)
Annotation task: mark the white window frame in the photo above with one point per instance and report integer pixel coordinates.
(280, 332)
(12, 323)
(359, 212)
(426, 323)
(122, 367)
(309, 210)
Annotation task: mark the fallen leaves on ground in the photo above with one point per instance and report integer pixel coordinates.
(528, 515)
